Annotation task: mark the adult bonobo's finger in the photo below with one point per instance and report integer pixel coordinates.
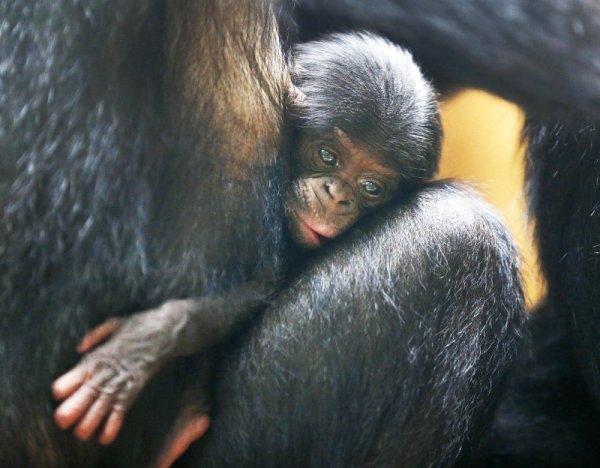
(98, 334)
(112, 426)
(67, 383)
(74, 407)
(94, 416)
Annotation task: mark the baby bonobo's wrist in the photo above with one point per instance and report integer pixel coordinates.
(170, 322)
(152, 335)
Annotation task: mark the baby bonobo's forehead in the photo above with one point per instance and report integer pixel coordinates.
(362, 157)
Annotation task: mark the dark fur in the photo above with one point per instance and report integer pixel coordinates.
(550, 416)
(397, 337)
(102, 199)
(542, 54)
(105, 207)
(546, 418)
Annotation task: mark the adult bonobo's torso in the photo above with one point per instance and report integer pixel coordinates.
(130, 175)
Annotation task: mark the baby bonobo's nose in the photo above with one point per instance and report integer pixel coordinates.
(339, 192)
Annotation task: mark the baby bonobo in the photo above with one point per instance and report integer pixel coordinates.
(365, 127)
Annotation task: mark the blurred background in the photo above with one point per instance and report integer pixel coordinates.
(482, 146)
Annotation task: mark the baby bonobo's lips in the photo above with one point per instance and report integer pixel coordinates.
(315, 233)
(323, 230)
(311, 238)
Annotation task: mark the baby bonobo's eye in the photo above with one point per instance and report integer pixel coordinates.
(371, 188)
(327, 157)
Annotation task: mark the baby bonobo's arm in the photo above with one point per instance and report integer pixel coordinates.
(104, 384)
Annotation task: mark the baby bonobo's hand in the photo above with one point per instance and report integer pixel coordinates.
(105, 383)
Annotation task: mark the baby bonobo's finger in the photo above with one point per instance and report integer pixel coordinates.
(94, 416)
(67, 383)
(74, 407)
(112, 427)
(98, 334)
(189, 427)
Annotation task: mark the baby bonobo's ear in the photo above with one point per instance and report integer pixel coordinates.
(295, 99)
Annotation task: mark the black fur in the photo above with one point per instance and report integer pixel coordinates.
(103, 190)
(547, 417)
(564, 169)
(550, 416)
(397, 337)
(542, 54)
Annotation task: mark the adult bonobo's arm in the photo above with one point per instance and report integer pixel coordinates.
(541, 53)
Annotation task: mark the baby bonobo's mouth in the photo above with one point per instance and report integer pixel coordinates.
(312, 235)
(317, 233)
(319, 236)
(313, 238)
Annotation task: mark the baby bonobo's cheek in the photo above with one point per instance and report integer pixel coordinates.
(300, 230)
(302, 218)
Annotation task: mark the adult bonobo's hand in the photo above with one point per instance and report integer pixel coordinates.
(102, 387)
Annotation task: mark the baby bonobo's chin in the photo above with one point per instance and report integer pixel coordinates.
(302, 231)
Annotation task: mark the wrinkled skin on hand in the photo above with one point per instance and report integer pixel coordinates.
(124, 353)
(98, 392)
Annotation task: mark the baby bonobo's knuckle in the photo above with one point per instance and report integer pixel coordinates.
(132, 381)
(122, 405)
(106, 374)
(102, 366)
(130, 387)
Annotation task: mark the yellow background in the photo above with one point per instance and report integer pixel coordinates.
(482, 146)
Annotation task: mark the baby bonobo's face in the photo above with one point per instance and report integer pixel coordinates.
(339, 180)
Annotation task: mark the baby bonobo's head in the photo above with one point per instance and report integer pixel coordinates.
(366, 127)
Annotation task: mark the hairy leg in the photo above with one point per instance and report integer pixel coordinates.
(392, 345)
(564, 174)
